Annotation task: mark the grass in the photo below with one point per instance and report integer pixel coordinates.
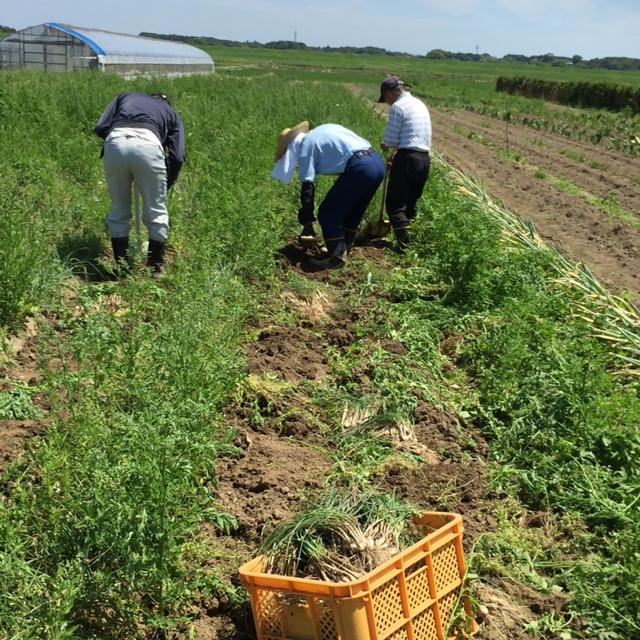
(450, 83)
(100, 515)
(572, 155)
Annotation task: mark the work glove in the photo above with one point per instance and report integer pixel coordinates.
(305, 212)
(308, 234)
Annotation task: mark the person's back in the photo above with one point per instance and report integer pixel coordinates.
(413, 122)
(326, 149)
(408, 135)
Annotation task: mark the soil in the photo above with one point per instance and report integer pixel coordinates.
(608, 244)
(260, 491)
(283, 456)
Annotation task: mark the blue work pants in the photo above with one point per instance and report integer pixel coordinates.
(346, 202)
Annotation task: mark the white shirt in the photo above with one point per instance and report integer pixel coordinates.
(409, 124)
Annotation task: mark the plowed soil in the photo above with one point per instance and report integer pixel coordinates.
(285, 456)
(281, 460)
(608, 243)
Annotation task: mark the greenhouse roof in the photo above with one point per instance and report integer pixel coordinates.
(116, 47)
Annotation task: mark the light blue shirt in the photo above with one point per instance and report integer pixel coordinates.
(326, 150)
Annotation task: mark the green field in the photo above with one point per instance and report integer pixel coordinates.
(450, 83)
(101, 514)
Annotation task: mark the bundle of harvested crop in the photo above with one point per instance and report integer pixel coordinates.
(341, 538)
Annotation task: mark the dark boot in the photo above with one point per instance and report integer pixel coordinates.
(336, 255)
(402, 239)
(155, 258)
(350, 238)
(120, 248)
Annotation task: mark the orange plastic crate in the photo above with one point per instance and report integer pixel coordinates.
(410, 597)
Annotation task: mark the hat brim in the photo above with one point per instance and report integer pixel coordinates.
(400, 85)
(287, 135)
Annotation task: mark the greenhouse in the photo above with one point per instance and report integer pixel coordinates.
(61, 47)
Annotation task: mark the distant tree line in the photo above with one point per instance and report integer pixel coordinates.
(618, 63)
(5, 29)
(275, 44)
(601, 95)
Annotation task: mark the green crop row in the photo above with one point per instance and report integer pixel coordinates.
(452, 83)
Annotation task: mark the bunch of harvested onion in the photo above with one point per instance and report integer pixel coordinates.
(341, 538)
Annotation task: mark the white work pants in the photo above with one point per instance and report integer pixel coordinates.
(136, 155)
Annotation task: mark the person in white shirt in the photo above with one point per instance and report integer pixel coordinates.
(408, 133)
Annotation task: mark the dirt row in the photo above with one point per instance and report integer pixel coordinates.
(607, 243)
(285, 458)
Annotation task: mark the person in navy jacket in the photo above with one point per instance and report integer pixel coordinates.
(136, 129)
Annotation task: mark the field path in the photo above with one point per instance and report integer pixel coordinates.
(564, 186)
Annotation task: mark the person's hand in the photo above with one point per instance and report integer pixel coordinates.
(384, 147)
(308, 234)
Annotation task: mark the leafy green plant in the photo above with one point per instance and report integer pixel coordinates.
(17, 404)
(540, 173)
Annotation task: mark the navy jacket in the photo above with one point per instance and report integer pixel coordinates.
(133, 109)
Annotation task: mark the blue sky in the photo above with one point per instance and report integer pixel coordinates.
(589, 28)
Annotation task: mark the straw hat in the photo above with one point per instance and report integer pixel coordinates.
(287, 135)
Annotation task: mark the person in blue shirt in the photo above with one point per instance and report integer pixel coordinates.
(330, 149)
(136, 128)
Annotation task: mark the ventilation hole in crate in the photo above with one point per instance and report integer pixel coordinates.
(270, 604)
(445, 607)
(418, 589)
(424, 625)
(400, 634)
(445, 567)
(326, 621)
(387, 605)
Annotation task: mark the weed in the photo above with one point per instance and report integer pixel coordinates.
(572, 155)
(17, 404)
(540, 174)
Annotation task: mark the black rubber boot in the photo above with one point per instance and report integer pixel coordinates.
(402, 239)
(155, 258)
(120, 248)
(350, 238)
(336, 255)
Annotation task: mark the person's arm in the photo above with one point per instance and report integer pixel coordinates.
(175, 146)
(103, 126)
(307, 195)
(391, 138)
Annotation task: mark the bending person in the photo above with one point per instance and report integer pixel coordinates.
(330, 149)
(136, 128)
